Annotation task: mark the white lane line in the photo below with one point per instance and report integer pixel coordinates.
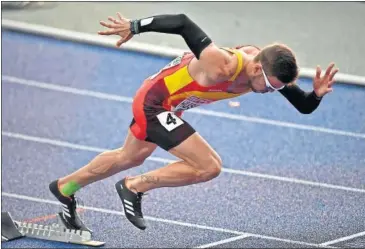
(343, 239)
(224, 241)
(185, 224)
(294, 180)
(165, 160)
(66, 89)
(105, 96)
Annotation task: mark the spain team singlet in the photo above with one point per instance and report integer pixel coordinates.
(173, 89)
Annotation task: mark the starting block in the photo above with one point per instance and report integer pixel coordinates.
(56, 232)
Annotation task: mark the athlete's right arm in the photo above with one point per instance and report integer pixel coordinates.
(216, 63)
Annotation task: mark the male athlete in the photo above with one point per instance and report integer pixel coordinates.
(206, 74)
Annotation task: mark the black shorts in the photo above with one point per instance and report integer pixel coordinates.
(161, 127)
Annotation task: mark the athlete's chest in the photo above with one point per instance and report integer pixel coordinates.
(194, 97)
(187, 89)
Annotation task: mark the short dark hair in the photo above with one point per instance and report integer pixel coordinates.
(279, 61)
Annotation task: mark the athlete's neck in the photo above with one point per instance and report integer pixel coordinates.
(243, 77)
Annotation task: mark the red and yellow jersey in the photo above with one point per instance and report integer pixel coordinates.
(175, 90)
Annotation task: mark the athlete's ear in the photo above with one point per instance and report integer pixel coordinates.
(256, 69)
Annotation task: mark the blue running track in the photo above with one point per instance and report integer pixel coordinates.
(290, 180)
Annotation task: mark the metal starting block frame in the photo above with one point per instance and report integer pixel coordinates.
(56, 232)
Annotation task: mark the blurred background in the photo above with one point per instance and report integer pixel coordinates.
(319, 32)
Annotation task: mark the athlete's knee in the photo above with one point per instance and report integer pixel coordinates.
(211, 168)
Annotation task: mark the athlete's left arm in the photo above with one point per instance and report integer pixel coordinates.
(304, 102)
(307, 102)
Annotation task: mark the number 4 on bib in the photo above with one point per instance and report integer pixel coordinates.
(169, 120)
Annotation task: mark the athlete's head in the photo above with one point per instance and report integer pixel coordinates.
(272, 68)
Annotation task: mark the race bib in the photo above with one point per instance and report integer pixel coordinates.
(169, 120)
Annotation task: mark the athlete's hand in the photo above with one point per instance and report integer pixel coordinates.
(323, 85)
(120, 26)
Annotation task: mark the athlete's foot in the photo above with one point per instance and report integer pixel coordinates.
(132, 204)
(69, 215)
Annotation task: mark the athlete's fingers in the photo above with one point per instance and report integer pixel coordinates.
(121, 18)
(130, 35)
(329, 90)
(108, 32)
(124, 39)
(318, 72)
(112, 19)
(333, 74)
(109, 25)
(329, 69)
(120, 42)
(102, 23)
(331, 83)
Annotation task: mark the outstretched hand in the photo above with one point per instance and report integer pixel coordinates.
(323, 85)
(120, 26)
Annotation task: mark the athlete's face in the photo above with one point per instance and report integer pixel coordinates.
(260, 82)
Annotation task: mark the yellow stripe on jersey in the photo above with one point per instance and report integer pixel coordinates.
(240, 62)
(182, 78)
(178, 80)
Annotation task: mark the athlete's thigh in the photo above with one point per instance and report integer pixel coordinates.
(179, 138)
(136, 147)
(196, 151)
(167, 130)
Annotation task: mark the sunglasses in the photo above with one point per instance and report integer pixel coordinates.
(268, 84)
